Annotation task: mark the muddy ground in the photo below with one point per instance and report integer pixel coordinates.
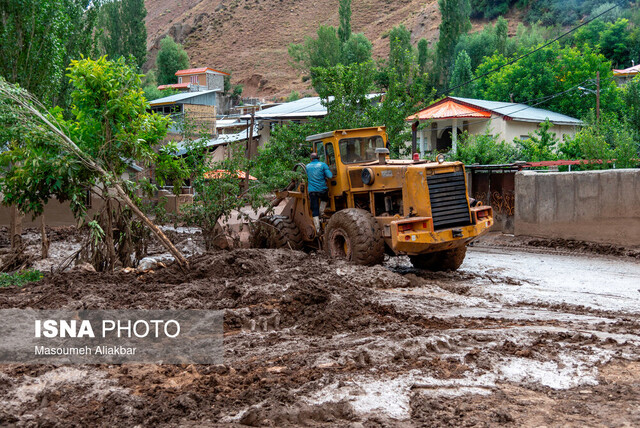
(521, 335)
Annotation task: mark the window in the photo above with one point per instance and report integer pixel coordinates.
(180, 79)
(331, 158)
(319, 149)
(353, 150)
(194, 79)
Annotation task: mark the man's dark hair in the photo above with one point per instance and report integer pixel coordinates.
(314, 156)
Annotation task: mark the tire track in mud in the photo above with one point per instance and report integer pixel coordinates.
(320, 342)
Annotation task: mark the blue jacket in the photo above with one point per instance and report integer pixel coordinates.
(317, 172)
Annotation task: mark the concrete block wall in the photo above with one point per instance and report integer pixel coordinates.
(597, 206)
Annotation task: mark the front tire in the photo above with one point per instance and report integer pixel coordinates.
(277, 231)
(353, 234)
(440, 260)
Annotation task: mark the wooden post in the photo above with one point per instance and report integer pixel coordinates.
(45, 239)
(250, 153)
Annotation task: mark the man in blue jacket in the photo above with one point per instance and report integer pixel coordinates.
(317, 174)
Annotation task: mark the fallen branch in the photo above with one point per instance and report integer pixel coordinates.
(29, 104)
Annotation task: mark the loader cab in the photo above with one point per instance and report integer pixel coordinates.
(347, 147)
(342, 150)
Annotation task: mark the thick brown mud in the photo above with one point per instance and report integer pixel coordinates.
(317, 342)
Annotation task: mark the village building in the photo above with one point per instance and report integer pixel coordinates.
(198, 107)
(624, 76)
(445, 120)
(198, 79)
(298, 111)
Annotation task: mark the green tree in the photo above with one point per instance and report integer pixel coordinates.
(80, 40)
(324, 51)
(293, 96)
(124, 31)
(356, 50)
(219, 191)
(477, 45)
(461, 75)
(483, 149)
(344, 91)
(455, 22)
(401, 56)
(631, 97)
(344, 30)
(135, 37)
(615, 43)
(502, 27)
(489, 9)
(588, 144)
(171, 58)
(540, 146)
(553, 76)
(423, 54)
(38, 39)
(610, 142)
(286, 147)
(109, 128)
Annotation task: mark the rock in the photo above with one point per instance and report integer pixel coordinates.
(154, 262)
(83, 267)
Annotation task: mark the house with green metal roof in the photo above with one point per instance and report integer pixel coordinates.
(446, 119)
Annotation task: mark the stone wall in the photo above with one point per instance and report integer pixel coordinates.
(597, 206)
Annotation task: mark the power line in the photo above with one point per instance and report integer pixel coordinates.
(513, 61)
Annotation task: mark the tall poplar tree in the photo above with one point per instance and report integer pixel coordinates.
(461, 74)
(455, 22)
(124, 30)
(344, 30)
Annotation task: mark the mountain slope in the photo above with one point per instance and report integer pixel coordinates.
(250, 37)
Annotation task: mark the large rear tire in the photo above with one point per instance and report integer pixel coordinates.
(353, 234)
(277, 231)
(440, 260)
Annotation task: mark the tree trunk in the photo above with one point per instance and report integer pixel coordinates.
(45, 239)
(15, 228)
(111, 247)
(182, 261)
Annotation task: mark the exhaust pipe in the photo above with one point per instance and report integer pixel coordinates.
(382, 155)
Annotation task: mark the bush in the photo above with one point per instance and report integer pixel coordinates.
(19, 278)
(483, 149)
(540, 146)
(611, 141)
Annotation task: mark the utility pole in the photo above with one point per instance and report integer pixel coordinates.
(597, 97)
(249, 149)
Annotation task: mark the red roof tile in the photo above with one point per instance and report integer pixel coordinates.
(198, 71)
(175, 86)
(219, 173)
(447, 110)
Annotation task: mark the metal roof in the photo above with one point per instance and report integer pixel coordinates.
(172, 99)
(222, 140)
(304, 107)
(631, 71)
(328, 134)
(519, 112)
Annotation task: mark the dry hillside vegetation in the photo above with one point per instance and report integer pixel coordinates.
(250, 37)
